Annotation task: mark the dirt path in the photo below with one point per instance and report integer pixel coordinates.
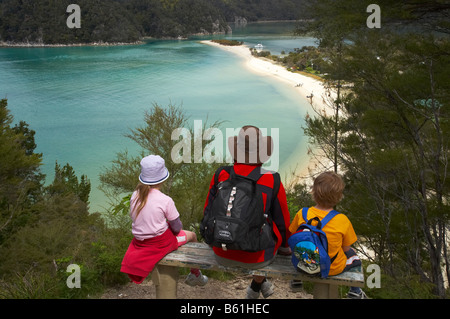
(215, 289)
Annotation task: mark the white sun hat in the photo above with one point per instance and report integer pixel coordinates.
(153, 170)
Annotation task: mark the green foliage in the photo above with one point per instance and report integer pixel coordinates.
(66, 181)
(402, 287)
(228, 42)
(31, 285)
(309, 59)
(108, 252)
(188, 183)
(33, 262)
(20, 179)
(44, 22)
(298, 196)
(123, 207)
(392, 142)
(45, 229)
(254, 10)
(261, 54)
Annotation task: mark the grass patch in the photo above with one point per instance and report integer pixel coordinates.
(314, 76)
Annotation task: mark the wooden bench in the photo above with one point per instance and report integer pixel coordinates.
(200, 255)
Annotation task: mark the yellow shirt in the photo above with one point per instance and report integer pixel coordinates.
(339, 232)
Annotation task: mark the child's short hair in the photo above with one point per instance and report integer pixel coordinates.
(327, 189)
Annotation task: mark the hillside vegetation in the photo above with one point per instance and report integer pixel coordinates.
(44, 22)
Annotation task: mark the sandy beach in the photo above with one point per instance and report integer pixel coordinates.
(308, 88)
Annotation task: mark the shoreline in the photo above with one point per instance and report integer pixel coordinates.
(310, 90)
(59, 45)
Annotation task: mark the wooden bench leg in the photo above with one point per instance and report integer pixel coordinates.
(325, 291)
(165, 279)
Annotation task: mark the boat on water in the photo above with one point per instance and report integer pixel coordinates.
(259, 46)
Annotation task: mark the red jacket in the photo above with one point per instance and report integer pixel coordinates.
(280, 216)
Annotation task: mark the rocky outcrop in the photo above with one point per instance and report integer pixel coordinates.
(240, 21)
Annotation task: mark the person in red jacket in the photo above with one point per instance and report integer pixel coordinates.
(247, 157)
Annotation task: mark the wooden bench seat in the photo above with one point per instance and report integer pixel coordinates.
(200, 255)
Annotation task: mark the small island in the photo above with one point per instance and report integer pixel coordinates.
(228, 42)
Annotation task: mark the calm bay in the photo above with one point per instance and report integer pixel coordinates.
(81, 101)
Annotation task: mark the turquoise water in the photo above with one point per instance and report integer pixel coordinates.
(81, 101)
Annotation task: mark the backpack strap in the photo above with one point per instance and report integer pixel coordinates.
(254, 175)
(276, 185)
(305, 214)
(275, 190)
(329, 217)
(321, 223)
(217, 173)
(258, 172)
(325, 220)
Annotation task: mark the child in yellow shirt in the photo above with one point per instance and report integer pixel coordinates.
(327, 191)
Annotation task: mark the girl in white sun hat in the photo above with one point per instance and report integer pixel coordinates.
(156, 227)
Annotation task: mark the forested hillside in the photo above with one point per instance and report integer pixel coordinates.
(44, 22)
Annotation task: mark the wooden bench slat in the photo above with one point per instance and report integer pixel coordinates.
(200, 255)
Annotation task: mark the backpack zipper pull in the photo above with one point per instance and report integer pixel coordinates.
(230, 201)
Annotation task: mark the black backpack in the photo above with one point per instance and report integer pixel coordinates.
(235, 219)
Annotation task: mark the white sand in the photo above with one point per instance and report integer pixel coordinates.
(305, 86)
(266, 67)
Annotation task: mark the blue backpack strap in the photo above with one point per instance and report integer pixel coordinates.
(329, 217)
(305, 214)
(325, 220)
(322, 222)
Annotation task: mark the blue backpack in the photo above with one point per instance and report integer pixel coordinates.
(309, 246)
